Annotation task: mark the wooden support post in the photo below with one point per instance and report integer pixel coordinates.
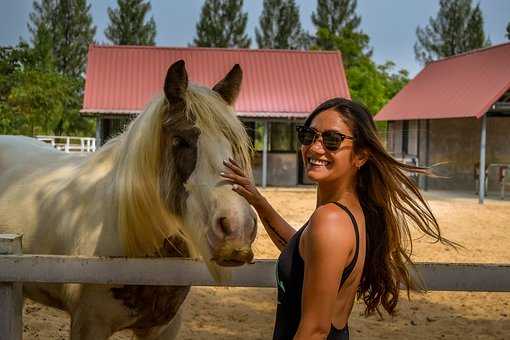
(11, 296)
(481, 172)
(99, 131)
(264, 154)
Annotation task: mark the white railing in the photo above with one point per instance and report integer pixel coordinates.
(70, 144)
(16, 268)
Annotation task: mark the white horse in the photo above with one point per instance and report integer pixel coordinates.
(154, 190)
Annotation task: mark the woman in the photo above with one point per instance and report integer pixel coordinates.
(357, 241)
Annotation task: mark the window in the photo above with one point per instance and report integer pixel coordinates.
(282, 137)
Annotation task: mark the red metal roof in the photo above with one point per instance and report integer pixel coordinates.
(465, 85)
(276, 83)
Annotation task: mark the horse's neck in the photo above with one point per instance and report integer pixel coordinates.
(91, 188)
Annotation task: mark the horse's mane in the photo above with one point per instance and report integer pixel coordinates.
(144, 220)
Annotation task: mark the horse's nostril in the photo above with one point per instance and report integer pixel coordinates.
(225, 226)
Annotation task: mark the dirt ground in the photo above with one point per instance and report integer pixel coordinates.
(248, 313)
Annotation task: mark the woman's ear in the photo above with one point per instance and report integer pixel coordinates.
(361, 158)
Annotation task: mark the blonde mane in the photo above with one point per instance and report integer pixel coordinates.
(144, 220)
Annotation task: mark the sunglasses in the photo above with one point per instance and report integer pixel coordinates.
(330, 139)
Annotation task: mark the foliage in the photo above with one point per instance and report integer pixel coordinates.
(128, 26)
(375, 85)
(280, 27)
(508, 31)
(72, 31)
(46, 86)
(35, 98)
(457, 28)
(222, 23)
(337, 27)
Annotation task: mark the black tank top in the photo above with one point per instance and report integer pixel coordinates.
(289, 279)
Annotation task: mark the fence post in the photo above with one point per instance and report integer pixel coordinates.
(11, 296)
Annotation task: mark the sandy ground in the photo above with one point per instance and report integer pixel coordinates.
(248, 313)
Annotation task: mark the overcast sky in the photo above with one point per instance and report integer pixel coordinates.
(391, 24)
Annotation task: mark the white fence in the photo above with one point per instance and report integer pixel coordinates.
(70, 144)
(16, 268)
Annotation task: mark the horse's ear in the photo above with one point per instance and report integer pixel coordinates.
(176, 83)
(229, 87)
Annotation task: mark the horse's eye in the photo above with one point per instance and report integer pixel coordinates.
(179, 142)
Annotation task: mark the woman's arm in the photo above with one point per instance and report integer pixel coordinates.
(326, 244)
(277, 228)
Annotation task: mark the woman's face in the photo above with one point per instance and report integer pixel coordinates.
(323, 165)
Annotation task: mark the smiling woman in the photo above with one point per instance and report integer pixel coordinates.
(357, 242)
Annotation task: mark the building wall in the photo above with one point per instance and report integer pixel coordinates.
(412, 138)
(396, 146)
(455, 145)
(396, 138)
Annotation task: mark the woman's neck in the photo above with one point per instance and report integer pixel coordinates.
(338, 192)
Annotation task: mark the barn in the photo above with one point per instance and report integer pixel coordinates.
(455, 116)
(280, 88)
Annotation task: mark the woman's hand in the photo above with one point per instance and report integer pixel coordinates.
(242, 184)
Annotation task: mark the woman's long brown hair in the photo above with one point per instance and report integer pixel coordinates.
(391, 201)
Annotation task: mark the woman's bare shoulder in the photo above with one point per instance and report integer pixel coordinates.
(330, 223)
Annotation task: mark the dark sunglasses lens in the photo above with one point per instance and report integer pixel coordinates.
(306, 136)
(332, 140)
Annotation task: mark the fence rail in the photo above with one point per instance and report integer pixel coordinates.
(184, 272)
(16, 268)
(70, 144)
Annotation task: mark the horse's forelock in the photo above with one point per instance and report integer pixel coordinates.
(143, 217)
(215, 118)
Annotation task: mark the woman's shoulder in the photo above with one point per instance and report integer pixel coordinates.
(330, 222)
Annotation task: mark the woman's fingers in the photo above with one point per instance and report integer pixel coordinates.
(234, 167)
(242, 191)
(233, 161)
(236, 178)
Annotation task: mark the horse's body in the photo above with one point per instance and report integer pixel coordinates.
(144, 193)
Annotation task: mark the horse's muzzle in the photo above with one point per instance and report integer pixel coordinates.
(234, 258)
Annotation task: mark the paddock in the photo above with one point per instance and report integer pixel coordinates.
(233, 313)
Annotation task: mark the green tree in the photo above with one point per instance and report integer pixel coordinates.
(33, 96)
(337, 27)
(43, 18)
(61, 31)
(475, 35)
(40, 97)
(72, 31)
(222, 23)
(280, 27)
(457, 28)
(11, 59)
(393, 80)
(508, 31)
(128, 25)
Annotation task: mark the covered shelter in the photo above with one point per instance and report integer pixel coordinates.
(455, 113)
(280, 88)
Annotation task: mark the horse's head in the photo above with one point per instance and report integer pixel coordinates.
(199, 131)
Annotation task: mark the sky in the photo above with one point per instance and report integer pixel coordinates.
(390, 24)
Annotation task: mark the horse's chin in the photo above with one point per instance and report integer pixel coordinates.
(234, 258)
(229, 263)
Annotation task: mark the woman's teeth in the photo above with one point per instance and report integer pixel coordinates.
(321, 162)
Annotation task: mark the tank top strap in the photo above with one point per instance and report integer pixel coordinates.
(350, 267)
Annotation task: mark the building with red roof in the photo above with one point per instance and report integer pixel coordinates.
(455, 112)
(280, 88)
